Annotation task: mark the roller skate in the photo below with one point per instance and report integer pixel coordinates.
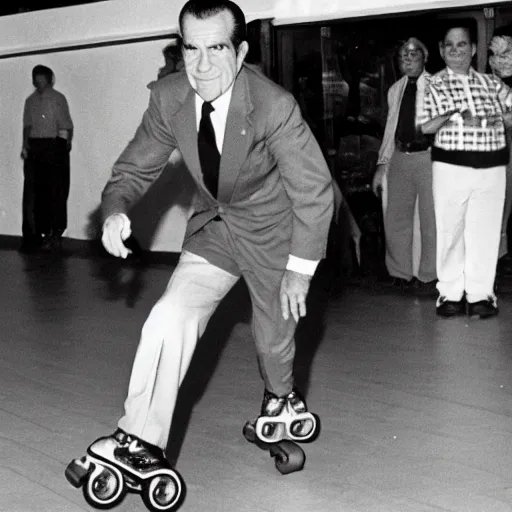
(120, 463)
(283, 421)
(285, 417)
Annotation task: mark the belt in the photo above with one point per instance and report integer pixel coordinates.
(411, 147)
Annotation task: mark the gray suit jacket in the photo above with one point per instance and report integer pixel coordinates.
(275, 191)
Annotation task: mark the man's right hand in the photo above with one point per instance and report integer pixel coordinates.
(378, 179)
(116, 229)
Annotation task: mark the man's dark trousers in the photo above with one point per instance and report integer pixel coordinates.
(46, 189)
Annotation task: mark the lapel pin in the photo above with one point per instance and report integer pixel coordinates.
(243, 131)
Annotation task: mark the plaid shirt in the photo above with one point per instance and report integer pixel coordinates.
(485, 96)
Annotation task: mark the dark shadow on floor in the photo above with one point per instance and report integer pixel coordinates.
(235, 308)
(310, 331)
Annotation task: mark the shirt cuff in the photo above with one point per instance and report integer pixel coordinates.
(125, 217)
(301, 266)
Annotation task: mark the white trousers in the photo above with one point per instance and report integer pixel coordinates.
(468, 205)
(167, 343)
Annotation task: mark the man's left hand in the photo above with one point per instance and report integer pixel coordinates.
(294, 290)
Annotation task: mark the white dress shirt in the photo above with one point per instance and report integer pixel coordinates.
(219, 117)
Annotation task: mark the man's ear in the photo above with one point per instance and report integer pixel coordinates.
(473, 49)
(441, 49)
(241, 54)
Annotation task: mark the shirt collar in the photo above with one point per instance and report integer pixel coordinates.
(452, 74)
(220, 104)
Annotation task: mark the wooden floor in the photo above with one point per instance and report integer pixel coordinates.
(416, 411)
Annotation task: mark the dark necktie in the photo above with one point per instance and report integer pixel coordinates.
(406, 129)
(209, 156)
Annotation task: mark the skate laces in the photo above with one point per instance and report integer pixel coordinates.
(296, 403)
(138, 450)
(272, 404)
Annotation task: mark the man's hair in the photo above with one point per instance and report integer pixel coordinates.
(467, 26)
(42, 70)
(173, 48)
(202, 9)
(416, 42)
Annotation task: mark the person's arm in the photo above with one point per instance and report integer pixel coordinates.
(64, 121)
(26, 131)
(25, 146)
(308, 183)
(434, 116)
(387, 146)
(432, 126)
(505, 98)
(138, 166)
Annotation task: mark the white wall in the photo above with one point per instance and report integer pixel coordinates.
(106, 90)
(111, 20)
(107, 94)
(301, 11)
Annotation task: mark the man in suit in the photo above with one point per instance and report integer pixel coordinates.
(262, 212)
(404, 163)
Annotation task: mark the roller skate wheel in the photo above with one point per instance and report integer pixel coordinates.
(105, 487)
(163, 493)
(249, 432)
(289, 457)
(77, 472)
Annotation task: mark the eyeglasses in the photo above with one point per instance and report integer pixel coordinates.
(507, 54)
(412, 54)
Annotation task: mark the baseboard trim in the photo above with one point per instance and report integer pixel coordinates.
(73, 247)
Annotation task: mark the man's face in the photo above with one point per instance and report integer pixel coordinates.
(500, 58)
(41, 82)
(457, 50)
(211, 61)
(411, 60)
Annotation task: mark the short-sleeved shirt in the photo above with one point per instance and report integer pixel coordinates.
(46, 113)
(484, 95)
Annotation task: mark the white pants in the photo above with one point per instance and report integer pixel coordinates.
(468, 205)
(168, 340)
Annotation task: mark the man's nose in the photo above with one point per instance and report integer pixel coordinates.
(204, 62)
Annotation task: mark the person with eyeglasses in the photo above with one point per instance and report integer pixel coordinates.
(500, 63)
(404, 175)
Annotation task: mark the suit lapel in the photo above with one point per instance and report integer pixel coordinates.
(237, 138)
(183, 121)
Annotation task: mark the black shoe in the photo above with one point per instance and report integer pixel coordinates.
(140, 456)
(449, 308)
(30, 244)
(483, 309)
(396, 283)
(426, 288)
(52, 244)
